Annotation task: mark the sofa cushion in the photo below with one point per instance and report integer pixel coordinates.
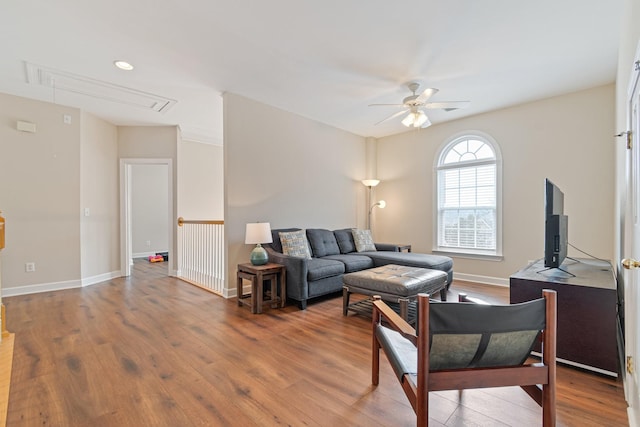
(320, 268)
(412, 259)
(323, 242)
(352, 262)
(275, 236)
(345, 241)
(363, 240)
(294, 243)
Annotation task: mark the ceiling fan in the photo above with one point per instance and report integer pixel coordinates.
(415, 105)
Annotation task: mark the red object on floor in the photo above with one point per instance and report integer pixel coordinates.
(156, 258)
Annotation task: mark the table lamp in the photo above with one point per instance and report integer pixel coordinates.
(258, 233)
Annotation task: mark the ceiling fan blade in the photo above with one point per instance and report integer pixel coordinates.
(447, 105)
(428, 93)
(386, 105)
(394, 115)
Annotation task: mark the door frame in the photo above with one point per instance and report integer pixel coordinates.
(631, 248)
(126, 165)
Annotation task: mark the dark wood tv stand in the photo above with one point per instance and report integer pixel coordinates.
(587, 310)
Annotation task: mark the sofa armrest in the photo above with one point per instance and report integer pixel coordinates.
(387, 247)
(297, 268)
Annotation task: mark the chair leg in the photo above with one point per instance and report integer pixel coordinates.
(548, 406)
(375, 363)
(375, 345)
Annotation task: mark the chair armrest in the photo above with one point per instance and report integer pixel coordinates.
(297, 268)
(394, 320)
(387, 247)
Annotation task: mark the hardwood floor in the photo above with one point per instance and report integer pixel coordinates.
(155, 351)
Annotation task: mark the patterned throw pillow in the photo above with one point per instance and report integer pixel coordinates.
(363, 240)
(294, 243)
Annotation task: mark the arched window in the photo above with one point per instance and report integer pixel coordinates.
(468, 188)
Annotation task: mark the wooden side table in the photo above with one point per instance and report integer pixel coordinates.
(257, 275)
(403, 248)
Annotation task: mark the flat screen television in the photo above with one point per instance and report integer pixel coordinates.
(555, 226)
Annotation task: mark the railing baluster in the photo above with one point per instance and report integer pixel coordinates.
(201, 253)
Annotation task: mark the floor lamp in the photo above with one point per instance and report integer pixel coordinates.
(370, 183)
(381, 204)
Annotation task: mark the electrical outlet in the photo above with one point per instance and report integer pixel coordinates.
(30, 267)
(149, 243)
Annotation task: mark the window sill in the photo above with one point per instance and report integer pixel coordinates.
(468, 255)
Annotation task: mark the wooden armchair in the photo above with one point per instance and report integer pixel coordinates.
(467, 345)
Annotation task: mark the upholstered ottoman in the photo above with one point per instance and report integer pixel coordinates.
(394, 283)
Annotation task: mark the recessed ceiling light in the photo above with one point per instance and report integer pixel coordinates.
(123, 65)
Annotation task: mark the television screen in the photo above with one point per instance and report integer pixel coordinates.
(555, 227)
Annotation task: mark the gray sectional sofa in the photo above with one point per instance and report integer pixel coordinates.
(334, 254)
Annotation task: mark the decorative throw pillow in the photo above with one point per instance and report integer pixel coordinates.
(363, 240)
(294, 243)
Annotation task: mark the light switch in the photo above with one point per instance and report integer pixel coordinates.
(86, 212)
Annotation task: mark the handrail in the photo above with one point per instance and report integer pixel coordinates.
(182, 221)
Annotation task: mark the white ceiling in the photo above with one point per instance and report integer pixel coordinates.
(325, 60)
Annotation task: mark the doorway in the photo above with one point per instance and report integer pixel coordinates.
(145, 216)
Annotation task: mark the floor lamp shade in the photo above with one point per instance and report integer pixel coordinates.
(258, 233)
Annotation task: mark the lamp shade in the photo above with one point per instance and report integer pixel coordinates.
(371, 182)
(416, 119)
(259, 232)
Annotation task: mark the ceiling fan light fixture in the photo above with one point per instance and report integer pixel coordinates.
(416, 119)
(420, 119)
(408, 121)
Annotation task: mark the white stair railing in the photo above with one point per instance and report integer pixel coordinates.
(201, 253)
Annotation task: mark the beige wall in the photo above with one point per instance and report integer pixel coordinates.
(287, 170)
(40, 193)
(567, 139)
(49, 178)
(100, 238)
(200, 181)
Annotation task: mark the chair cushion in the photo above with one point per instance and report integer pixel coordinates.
(294, 243)
(401, 352)
(323, 242)
(345, 241)
(493, 335)
(467, 335)
(363, 240)
(320, 268)
(412, 259)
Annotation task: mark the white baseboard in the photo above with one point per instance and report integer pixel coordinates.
(227, 292)
(496, 281)
(58, 286)
(632, 417)
(88, 281)
(231, 293)
(42, 287)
